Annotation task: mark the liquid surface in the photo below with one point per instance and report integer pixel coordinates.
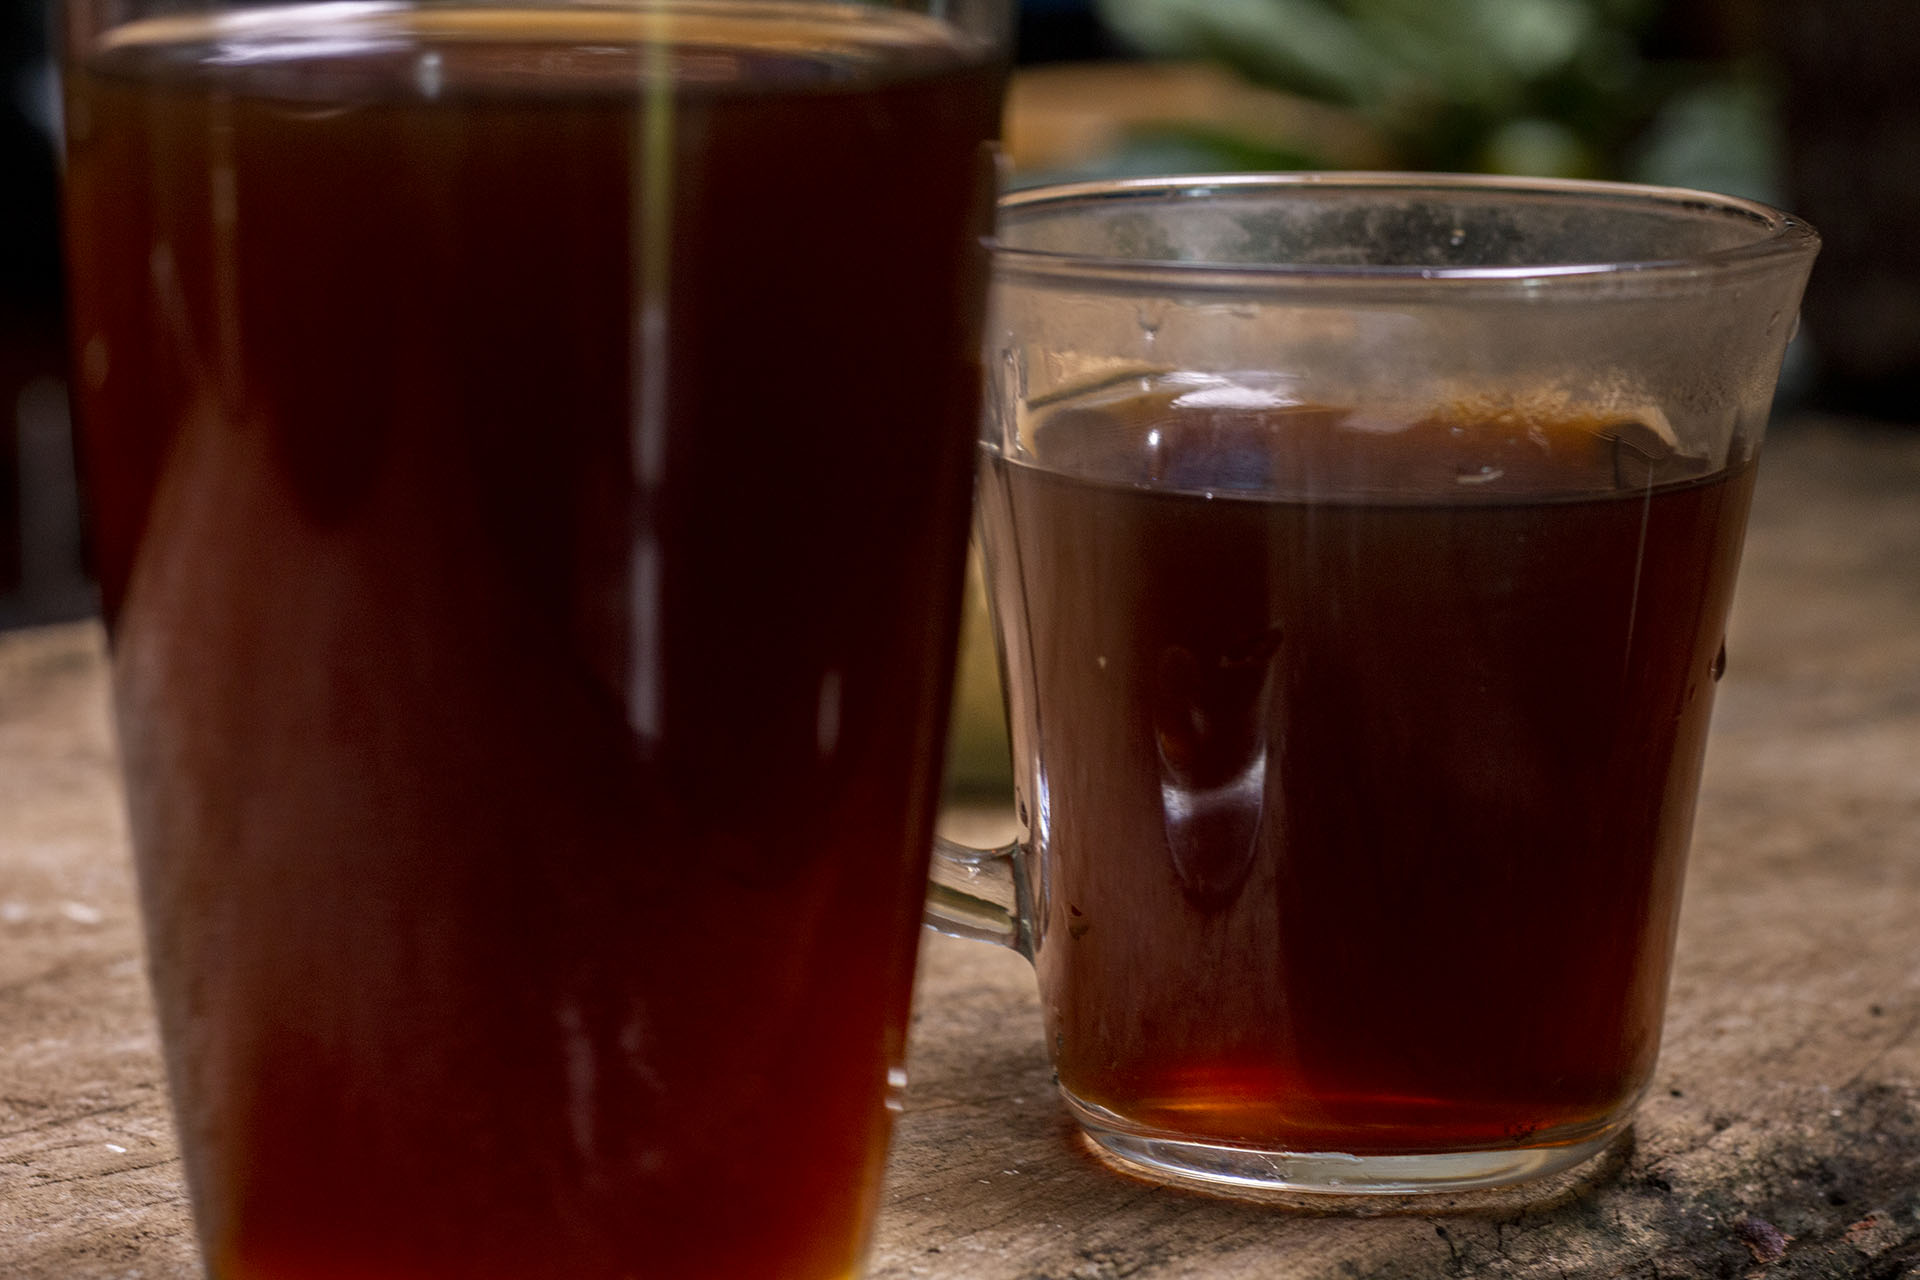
(529, 470)
(1360, 781)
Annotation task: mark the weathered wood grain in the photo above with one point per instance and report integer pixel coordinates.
(1781, 1138)
(89, 1179)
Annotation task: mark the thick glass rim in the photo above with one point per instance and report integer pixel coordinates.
(328, 21)
(1779, 238)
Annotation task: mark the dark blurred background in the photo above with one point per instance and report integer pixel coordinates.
(1808, 103)
(40, 574)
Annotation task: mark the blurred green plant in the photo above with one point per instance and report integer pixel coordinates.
(1560, 88)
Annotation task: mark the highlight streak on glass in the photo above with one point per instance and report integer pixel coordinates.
(223, 200)
(653, 235)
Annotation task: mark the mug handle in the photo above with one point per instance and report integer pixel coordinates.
(983, 894)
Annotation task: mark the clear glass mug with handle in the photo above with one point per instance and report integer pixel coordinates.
(529, 449)
(1360, 549)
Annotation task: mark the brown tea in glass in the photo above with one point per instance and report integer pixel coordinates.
(529, 451)
(1360, 549)
(1372, 835)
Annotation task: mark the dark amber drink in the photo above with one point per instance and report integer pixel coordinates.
(529, 455)
(1364, 771)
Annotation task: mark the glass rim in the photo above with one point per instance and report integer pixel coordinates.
(215, 19)
(1780, 238)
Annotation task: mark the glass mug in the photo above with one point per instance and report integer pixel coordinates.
(529, 454)
(1360, 549)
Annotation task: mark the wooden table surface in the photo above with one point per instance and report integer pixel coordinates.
(1781, 1136)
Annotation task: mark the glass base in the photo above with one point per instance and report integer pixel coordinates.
(1239, 1170)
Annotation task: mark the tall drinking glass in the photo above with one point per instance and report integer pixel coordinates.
(529, 448)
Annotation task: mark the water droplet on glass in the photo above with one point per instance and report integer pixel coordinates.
(430, 75)
(1720, 661)
(1149, 320)
(896, 1089)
